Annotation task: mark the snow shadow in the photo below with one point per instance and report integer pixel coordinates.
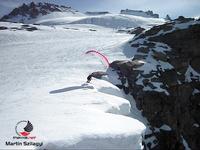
(71, 88)
(111, 91)
(128, 51)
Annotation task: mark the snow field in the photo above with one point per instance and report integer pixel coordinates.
(33, 64)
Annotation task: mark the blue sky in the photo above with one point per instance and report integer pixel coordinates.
(188, 8)
(173, 7)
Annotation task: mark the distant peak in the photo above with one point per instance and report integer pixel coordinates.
(148, 14)
(33, 10)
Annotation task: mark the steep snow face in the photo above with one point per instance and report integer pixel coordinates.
(116, 21)
(120, 21)
(41, 77)
(57, 18)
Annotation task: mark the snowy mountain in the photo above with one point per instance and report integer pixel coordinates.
(148, 97)
(120, 21)
(42, 78)
(28, 12)
(51, 14)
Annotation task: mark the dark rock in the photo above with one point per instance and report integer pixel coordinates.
(148, 13)
(34, 12)
(125, 67)
(168, 18)
(151, 85)
(146, 82)
(153, 31)
(135, 45)
(143, 50)
(195, 63)
(152, 109)
(169, 77)
(186, 41)
(25, 25)
(3, 28)
(178, 107)
(31, 28)
(119, 86)
(136, 31)
(126, 90)
(160, 56)
(149, 44)
(139, 57)
(92, 30)
(168, 141)
(182, 19)
(179, 63)
(15, 28)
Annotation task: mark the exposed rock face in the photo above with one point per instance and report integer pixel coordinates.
(165, 83)
(32, 10)
(25, 27)
(136, 31)
(97, 13)
(148, 13)
(168, 18)
(185, 42)
(3, 28)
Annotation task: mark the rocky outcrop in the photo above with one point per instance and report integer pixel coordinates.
(141, 13)
(168, 18)
(3, 28)
(136, 31)
(25, 27)
(164, 80)
(32, 10)
(97, 13)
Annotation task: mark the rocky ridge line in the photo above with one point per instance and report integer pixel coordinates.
(164, 79)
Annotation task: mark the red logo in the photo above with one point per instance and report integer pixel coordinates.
(23, 128)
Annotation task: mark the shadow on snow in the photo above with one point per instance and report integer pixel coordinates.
(71, 88)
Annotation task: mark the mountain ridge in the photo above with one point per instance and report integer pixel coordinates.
(33, 10)
(163, 77)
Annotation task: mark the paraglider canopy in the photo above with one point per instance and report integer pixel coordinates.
(102, 57)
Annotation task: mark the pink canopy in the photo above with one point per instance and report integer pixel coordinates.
(104, 59)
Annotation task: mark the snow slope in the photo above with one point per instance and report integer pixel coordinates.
(41, 77)
(58, 18)
(107, 20)
(69, 15)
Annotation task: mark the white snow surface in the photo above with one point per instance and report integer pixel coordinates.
(41, 77)
(120, 21)
(191, 74)
(117, 21)
(185, 144)
(165, 127)
(195, 91)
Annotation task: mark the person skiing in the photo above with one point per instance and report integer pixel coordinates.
(97, 75)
